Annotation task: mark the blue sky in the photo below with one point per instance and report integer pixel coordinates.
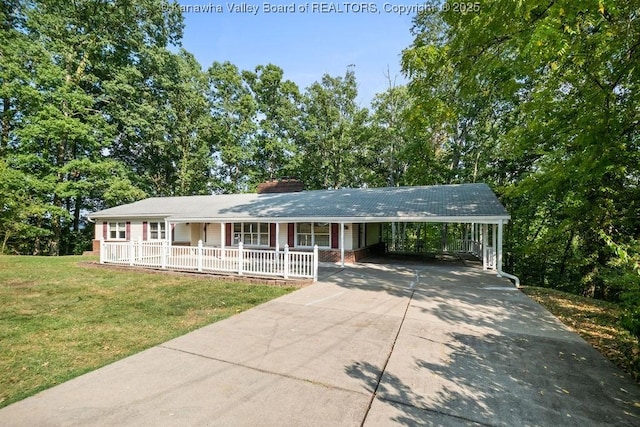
(305, 45)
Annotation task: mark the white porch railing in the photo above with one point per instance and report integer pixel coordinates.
(285, 263)
(485, 253)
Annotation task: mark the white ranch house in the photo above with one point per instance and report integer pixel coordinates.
(276, 233)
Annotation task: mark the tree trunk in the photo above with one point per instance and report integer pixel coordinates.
(76, 213)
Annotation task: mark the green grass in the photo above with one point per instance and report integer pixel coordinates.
(598, 322)
(60, 318)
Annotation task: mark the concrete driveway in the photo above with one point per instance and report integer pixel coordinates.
(374, 344)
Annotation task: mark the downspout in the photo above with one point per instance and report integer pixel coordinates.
(509, 276)
(499, 258)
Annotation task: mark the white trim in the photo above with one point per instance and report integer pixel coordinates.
(367, 219)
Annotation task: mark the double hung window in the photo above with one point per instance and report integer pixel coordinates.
(117, 230)
(251, 233)
(157, 231)
(313, 233)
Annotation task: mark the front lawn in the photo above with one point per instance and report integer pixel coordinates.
(59, 318)
(598, 322)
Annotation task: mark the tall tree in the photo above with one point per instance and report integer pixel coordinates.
(161, 111)
(334, 141)
(406, 150)
(278, 108)
(234, 126)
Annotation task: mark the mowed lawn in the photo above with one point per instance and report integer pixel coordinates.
(60, 318)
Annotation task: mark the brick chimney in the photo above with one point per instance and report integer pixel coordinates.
(284, 185)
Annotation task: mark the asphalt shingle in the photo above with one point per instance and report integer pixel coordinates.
(455, 202)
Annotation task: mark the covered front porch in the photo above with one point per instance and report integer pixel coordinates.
(349, 242)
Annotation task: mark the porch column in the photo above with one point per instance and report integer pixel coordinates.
(342, 244)
(485, 241)
(277, 237)
(167, 231)
(499, 248)
(223, 237)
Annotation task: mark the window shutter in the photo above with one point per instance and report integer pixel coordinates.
(334, 235)
(227, 234)
(291, 234)
(127, 232)
(144, 230)
(272, 235)
(173, 226)
(105, 232)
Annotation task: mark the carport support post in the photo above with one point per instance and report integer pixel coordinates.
(485, 250)
(493, 245)
(499, 249)
(342, 244)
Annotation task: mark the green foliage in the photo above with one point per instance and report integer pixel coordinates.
(631, 321)
(334, 140)
(234, 112)
(62, 62)
(278, 112)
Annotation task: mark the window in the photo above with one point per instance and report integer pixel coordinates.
(117, 230)
(316, 233)
(251, 233)
(305, 235)
(157, 231)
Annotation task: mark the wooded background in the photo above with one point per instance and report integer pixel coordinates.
(99, 106)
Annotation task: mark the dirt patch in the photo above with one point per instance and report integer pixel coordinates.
(17, 283)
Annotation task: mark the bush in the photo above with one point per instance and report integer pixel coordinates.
(631, 321)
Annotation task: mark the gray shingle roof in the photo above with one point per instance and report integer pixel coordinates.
(454, 203)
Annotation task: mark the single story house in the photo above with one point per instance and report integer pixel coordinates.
(345, 224)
